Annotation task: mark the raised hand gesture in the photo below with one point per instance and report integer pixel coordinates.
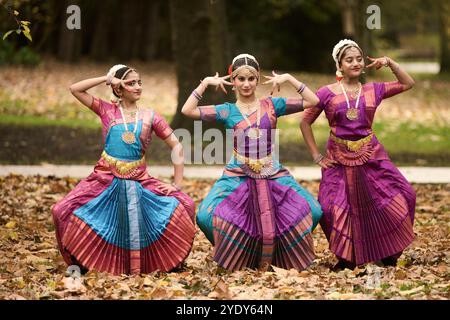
(217, 82)
(377, 62)
(276, 80)
(117, 83)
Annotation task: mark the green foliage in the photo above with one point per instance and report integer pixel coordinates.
(22, 56)
(294, 34)
(40, 121)
(282, 34)
(22, 25)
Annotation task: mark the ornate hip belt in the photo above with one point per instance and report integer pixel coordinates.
(254, 164)
(122, 167)
(352, 145)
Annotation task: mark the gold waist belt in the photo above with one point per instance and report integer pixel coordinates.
(122, 167)
(255, 164)
(352, 145)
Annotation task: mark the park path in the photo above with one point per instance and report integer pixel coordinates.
(413, 174)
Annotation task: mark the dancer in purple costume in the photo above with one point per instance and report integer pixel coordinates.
(368, 206)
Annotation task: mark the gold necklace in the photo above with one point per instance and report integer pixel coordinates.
(253, 133)
(129, 137)
(352, 112)
(130, 112)
(247, 106)
(354, 92)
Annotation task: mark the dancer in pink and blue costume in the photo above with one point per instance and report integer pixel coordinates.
(120, 219)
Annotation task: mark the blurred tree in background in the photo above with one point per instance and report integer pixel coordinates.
(200, 48)
(110, 30)
(286, 34)
(444, 33)
(201, 36)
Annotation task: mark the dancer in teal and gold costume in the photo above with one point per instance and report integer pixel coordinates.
(256, 214)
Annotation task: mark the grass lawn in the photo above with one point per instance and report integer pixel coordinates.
(413, 126)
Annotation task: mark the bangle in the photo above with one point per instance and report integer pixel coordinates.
(318, 158)
(388, 62)
(196, 95)
(177, 187)
(301, 88)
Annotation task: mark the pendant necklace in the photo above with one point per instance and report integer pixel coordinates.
(352, 112)
(129, 137)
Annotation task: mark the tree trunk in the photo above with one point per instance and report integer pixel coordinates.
(199, 49)
(444, 32)
(50, 29)
(364, 35)
(354, 18)
(70, 41)
(136, 28)
(127, 28)
(218, 37)
(349, 18)
(103, 41)
(151, 30)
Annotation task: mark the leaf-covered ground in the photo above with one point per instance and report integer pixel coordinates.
(32, 268)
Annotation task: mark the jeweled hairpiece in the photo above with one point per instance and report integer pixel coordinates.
(340, 48)
(247, 57)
